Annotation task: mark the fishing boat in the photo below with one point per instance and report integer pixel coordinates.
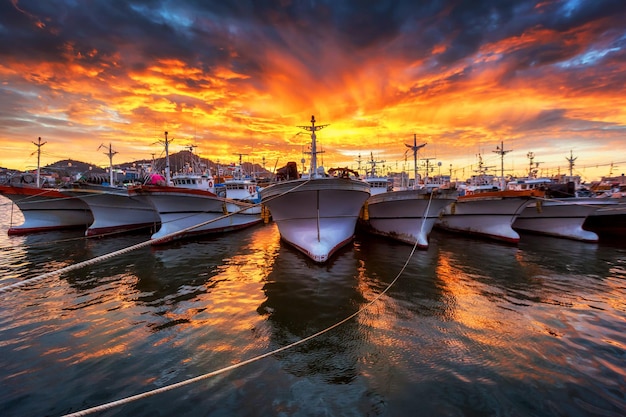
(114, 209)
(378, 184)
(484, 208)
(555, 216)
(242, 187)
(43, 208)
(186, 212)
(559, 217)
(187, 205)
(406, 215)
(317, 213)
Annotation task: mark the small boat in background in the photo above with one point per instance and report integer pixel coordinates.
(242, 187)
(114, 209)
(317, 213)
(378, 184)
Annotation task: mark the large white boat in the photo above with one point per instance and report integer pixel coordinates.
(485, 209)
(187, 212)
(488, 214)
(317, 214)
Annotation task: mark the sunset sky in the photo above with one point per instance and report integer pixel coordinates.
(232, 77)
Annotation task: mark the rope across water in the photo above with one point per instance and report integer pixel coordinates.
(171, 387)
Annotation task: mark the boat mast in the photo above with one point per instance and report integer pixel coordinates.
(239, 174)
(39, 145)
(110, 155)
(500, 151)
(167, 160)
(415, 148)
(313, 129)
(372, 162)
(571, 160)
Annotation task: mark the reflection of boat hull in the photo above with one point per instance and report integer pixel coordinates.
(407, 216)
(46, 209)
(609, 220)
(559, 217)
(316, 216)
(182, 209)
(486, 214)
(114, 210)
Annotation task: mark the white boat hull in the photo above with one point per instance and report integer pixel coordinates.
(490, 217)
(185, 213)
(407, 216)
(559, 217)
(316, 216)
(46, 209)
(115, 210)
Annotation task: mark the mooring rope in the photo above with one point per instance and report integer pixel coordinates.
(146, 394)
(425, 216)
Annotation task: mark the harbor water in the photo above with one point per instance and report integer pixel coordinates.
(468, 328)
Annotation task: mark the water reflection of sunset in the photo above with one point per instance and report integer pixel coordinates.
(542, 77)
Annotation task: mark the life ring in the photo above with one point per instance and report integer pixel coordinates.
(251, 189)
(210, 184)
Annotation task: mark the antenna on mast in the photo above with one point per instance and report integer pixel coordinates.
(571, 160)
(314, 152)
(38, 144)
(110, 154)
(415, 148)
(500, 151)
(166, 144)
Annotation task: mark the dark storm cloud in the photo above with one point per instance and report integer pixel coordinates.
(213, 30)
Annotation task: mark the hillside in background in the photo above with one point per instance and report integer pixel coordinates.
(178, 162)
